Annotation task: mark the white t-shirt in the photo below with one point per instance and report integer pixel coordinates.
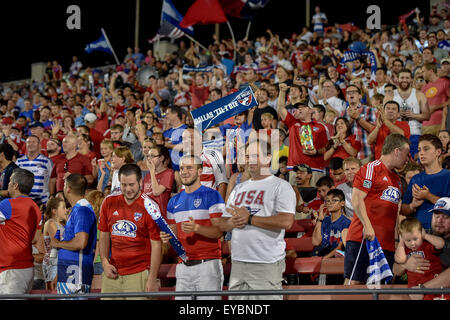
(336, 103)
(265, 198)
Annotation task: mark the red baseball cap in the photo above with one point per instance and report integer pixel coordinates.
(7, 120)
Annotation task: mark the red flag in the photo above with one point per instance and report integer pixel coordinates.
(232, 7)
(204, 12)
(402, 20)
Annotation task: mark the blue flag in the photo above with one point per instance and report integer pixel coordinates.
(99, 45)
(378, 269)
(222, 109)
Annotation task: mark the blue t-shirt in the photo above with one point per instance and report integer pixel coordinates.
(77, 267)
(438, 184)
(106, 179)
(27, 114)
(175, 136)
(331, 231)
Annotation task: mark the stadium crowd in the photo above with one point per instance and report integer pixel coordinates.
(359, 124)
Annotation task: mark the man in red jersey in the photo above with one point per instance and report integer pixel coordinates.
(20, 218)
(376, 196)
(74, 162)
(132, 237)
(387, 122)
(301, 150)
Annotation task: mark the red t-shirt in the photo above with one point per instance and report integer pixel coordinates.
(384, 132)
(342, 153)
(78, 164)
(19, 219)
(428, 252)
(198, 95)
(102, 123)
(97, 138)
(384, 190)
(58, 157)
(436, 93)
(131, 229)
(165, 178)
(320, 140)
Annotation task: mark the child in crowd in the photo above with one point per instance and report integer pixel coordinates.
(329, 228)
(415, 241)
(54, 220)
(266, 122)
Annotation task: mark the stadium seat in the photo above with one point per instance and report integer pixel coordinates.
(301, 245)
(330, 266)
(308, 265)
(167, 271)
(297, 226)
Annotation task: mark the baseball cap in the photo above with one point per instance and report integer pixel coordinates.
(303, 167)
(445, 60)
(301, 104)
(37, 124)
(90, 117)
(7, 120)
(442, 205)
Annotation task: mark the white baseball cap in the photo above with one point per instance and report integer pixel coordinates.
(90, 117)
(442, 205)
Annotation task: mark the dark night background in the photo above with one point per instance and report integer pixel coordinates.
(36, 31)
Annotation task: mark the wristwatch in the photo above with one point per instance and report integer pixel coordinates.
(250, 217)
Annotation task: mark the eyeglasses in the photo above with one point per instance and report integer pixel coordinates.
(154, 155)
(352, 91)
(332, 201)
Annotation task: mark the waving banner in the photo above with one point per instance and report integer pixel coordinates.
(222, 109)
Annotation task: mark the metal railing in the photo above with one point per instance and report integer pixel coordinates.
(375, 293)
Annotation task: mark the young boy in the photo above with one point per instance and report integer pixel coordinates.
(415, 241)
(328, 230)
(266, 122)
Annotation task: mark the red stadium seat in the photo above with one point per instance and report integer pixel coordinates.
(297, 226)
(167, 271)
(308, 265)
(330, 266)
(303, 244)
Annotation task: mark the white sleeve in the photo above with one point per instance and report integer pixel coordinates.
(285, 198)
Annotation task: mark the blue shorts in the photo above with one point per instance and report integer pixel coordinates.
(351, 253)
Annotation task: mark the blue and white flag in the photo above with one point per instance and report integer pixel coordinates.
(444, 44)
(224, 108)
(350, 56)
(187, 69)
(170, 23)
(154, 212)
(99, 45)
(378, 269)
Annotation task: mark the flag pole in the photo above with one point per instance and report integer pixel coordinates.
(248, 29)
(195, 41)
(234, 40)
(109, 45)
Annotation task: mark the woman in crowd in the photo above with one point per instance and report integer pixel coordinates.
(343, 144)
